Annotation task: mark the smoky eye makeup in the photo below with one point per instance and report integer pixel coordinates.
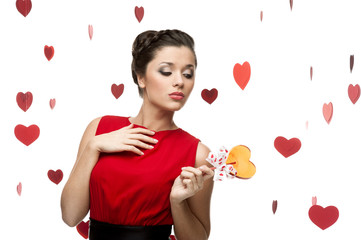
(188, 74)
(165, 72)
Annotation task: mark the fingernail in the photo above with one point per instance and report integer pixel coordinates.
(155, 140)
(151, 147)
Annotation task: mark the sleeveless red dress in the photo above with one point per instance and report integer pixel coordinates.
(129, 189)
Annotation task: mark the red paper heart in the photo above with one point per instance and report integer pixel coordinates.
(90, 30)
(24, 100)
(55, 177)
(83, 229)
(314, 200)
(117, 90)
(354, 92)
(19, 188)
(139, 13)
(209, 96)
(242, 74)
(287, 147)
(52, 103)
(323, 217)
(27, 135)
(49, 52)
(274, 206)
(327, 112)
(23, 6)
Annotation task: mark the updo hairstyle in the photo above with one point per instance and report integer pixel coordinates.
(149, 42)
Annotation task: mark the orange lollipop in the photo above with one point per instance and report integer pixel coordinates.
(230, 164)
(239, 158)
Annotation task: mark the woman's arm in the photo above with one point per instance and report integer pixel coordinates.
(192, 216)
(75, 198)
(75, 195)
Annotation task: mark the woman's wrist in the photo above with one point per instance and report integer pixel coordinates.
(93, 145)
(177, 202)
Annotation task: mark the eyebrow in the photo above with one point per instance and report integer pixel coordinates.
(171, 64)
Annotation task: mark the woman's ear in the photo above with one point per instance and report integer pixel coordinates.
(141, 82)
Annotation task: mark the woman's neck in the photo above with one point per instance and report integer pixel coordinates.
(154, 119)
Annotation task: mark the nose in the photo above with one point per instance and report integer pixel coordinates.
(178, 80)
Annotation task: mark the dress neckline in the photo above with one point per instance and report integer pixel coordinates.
(169, 130)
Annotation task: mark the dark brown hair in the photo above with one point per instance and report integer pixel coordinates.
(149, 42)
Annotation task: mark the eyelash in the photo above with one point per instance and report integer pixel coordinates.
(189, 76)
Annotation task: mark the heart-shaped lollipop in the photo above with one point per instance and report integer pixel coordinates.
(230, 164)
(239, 158)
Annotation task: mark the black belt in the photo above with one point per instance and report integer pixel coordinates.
(107, 231)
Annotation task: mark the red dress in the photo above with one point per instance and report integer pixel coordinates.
(129, 189)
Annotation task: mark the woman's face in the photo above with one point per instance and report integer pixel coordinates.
(169, 78)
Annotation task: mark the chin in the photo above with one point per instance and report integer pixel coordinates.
(174, 107)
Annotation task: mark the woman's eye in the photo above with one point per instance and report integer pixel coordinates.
(189, 76)
(165, 73)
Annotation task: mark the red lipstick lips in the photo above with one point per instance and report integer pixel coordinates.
(176, 95)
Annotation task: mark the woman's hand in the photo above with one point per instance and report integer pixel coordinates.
(124, 139)
(189, 182)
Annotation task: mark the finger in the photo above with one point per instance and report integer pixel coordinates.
(141, 130)
(189, 184)
(138, 143)
(129, 126)
(197, 181)
(198, 176)
(206, 170)
(188, 175)
(143, 138)
(131, 148)
(193, 170)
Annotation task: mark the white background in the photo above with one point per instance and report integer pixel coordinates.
(278, 101)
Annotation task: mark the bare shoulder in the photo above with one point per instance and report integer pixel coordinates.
(92, 126)
(201, 155)
(88, 134)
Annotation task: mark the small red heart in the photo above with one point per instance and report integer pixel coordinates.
(27, 135)
(52, 103)
(274, 206)
(209, 96)
(23, 6)
(55, 177)
(83, 229)
(24, 100)
(242, 74)
(354, 92)
(261, 15)
(19, 188)
(323, 217)
(287, 147)
(172, 237)
(139, 13)
(117, 90)
(314, 200)
(49, 52)
(90, 30)
(327, 112)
